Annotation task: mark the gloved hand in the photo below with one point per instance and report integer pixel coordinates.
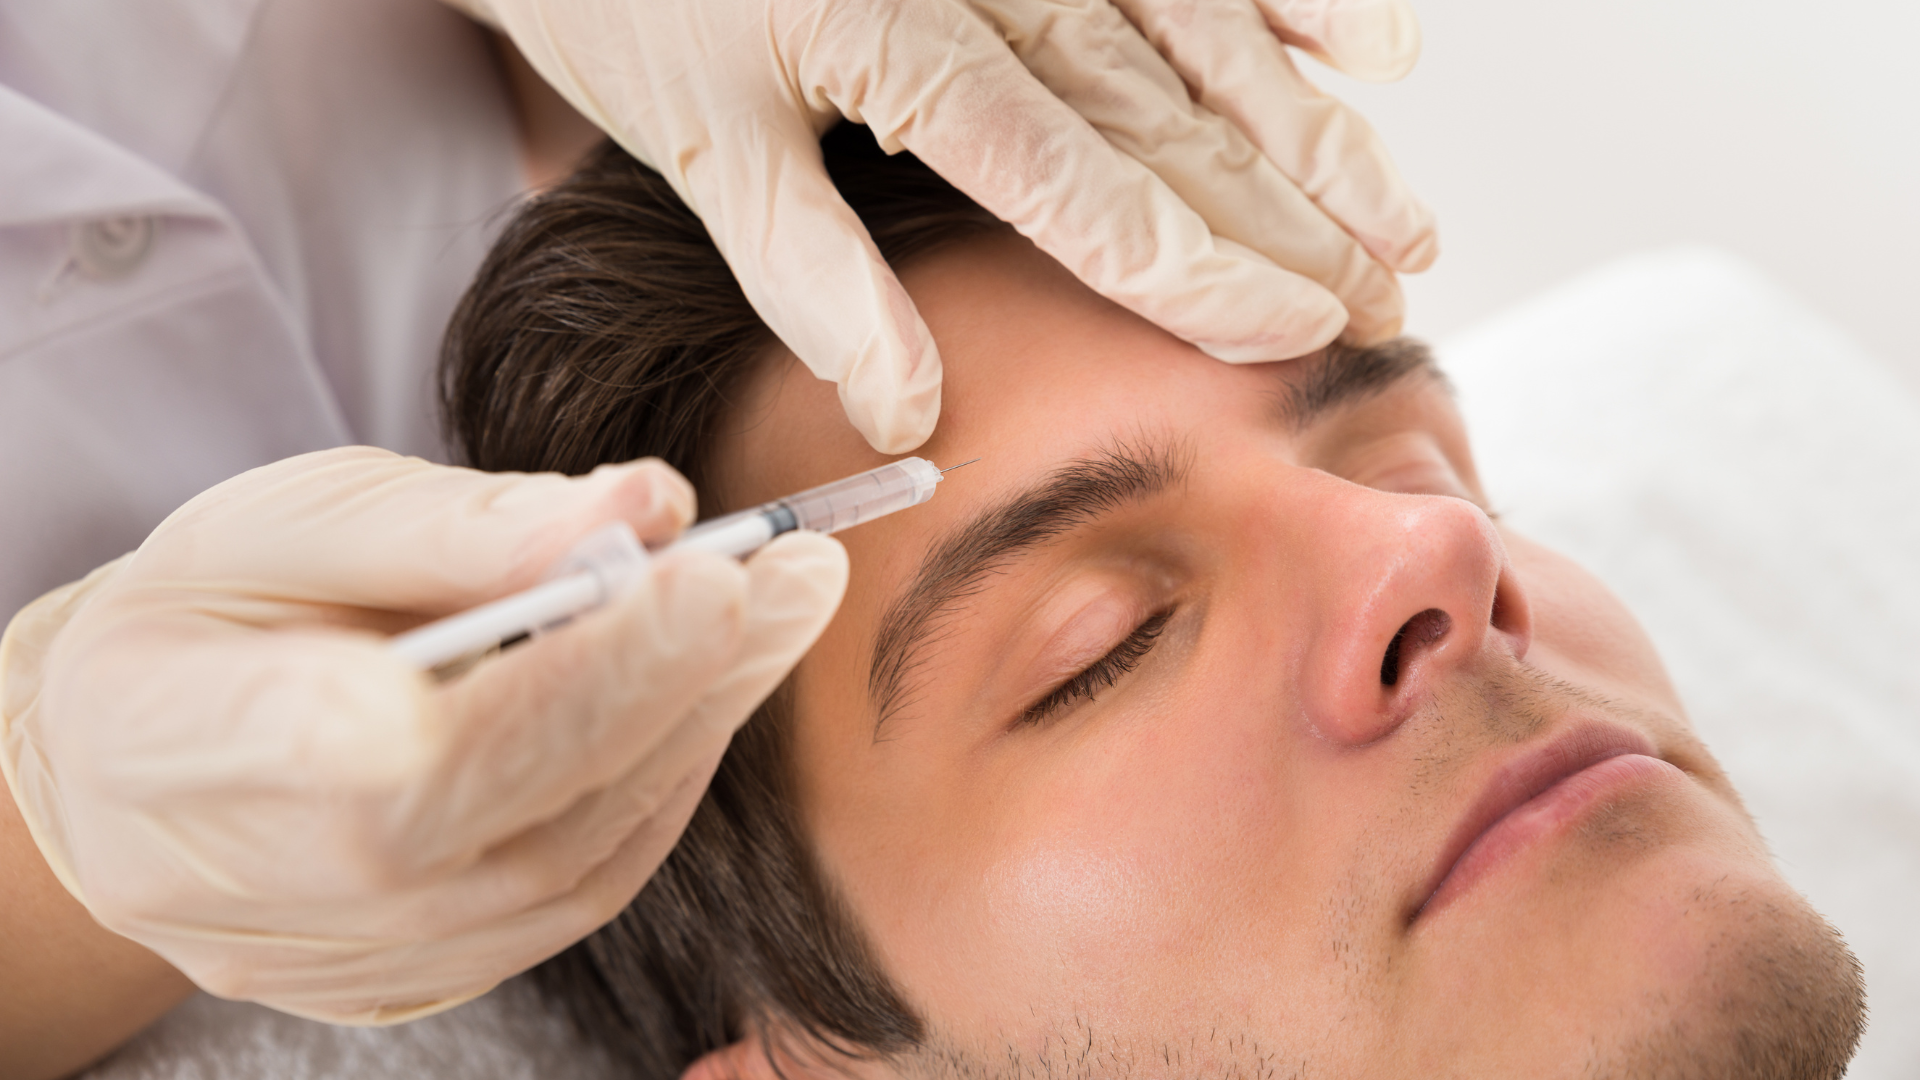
(219, 758)
(1240, 218)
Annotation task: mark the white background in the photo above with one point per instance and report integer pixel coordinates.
(1551, 135)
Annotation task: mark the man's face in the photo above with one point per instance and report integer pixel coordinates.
(1208, 722)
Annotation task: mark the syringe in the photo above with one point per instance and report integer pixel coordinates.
(601, 565)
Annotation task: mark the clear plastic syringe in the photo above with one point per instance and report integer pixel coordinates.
(610, 557)
(825, 509)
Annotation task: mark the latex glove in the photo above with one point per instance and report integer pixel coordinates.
(1241, 222)
(221, 761)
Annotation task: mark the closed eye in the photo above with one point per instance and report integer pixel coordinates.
(1100, 674)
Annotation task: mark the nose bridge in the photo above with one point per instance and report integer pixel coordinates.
(1408, 590)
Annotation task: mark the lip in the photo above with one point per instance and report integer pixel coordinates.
(1533, 796)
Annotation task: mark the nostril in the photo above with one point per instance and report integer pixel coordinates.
(1507, 615)
(1416, 633)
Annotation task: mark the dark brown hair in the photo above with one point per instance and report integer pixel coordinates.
(604, 326)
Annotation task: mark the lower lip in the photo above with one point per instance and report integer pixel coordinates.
(1553, 812)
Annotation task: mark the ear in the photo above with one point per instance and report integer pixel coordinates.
(744, 1060)
(751, 1059)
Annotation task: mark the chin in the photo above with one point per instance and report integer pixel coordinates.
(1745, 980)
(1639, 956)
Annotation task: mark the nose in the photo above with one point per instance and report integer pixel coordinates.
(1408, 591)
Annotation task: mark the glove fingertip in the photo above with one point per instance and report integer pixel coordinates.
(823, 288)
(699, 596)
(816, 558)
(1375, 41)
(1420, 254)
(891, 392)
(1374, 332)
(879, 355)
(648, 494)
(893, 428)
(1314, 318)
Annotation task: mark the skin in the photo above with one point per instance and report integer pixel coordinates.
(87, 988)
(1218, 863)
(553, 136)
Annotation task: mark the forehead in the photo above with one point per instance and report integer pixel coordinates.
(1038, 370)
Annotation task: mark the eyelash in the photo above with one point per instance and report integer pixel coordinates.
(1102, 673)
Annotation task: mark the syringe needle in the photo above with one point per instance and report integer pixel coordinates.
(950, 468)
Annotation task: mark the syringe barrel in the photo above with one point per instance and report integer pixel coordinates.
(611, 557)
(874, 493)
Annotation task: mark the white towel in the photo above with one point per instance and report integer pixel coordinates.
(510, 1034)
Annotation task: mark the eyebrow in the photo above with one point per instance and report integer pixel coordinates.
(1073, 495)
(1352, 373)
(1084, 490)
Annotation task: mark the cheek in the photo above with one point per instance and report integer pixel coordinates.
(1581, 630)
(1109, 870)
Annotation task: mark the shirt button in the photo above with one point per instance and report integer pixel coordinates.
(112, 248)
